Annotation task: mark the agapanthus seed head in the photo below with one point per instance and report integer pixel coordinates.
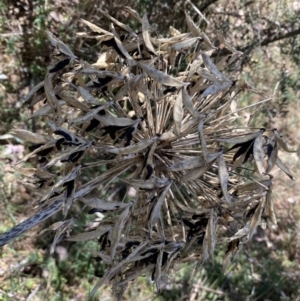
(151, 121)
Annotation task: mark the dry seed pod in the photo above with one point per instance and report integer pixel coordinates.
(174, 31)
(50, 144)
(96, 28)
(62, 47)
(193, 162)
(178, 113)
(101, 73)
(29, 136)
(188, 103)
(223, 178)
(33, 91)
(215, 88)
(118, 23)
(51, 97)
(89, 116)
(272, 158)
(212, 67)
(102, 204)
(195, 30)
(87, 96)
(67, 178)
(119, 44)
(231, 252)
(270, 206)
(255, 221)
(210, 235)
(134, 13)
(282, 143)
(258, 154)
(85, 236)
(64, 226)
(162, 77)
(155, 215)
(153, 183)
(72, 101)
(134, 148)
(117, 230)
(226, 44)
(241, 139)
(146, 36)
(195, 173)
(204, 73)
(284, 168)
(46, 110)
(184, 44)
(116, 121)
(241, 233)
(202, 139)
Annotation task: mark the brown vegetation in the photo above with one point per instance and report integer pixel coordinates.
(157, 115)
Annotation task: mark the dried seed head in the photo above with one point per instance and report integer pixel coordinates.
(149, 140)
